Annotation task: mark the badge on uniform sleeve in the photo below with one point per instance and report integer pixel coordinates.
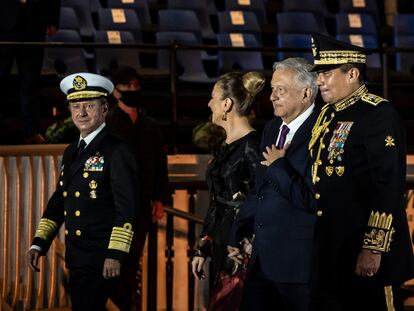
(389, 141)
(337, 143)
(94, 163)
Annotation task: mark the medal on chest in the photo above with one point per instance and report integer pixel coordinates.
(336, 148)
(337, 143)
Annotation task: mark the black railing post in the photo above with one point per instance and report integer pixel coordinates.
(169, 254)
(152, 267)
(173, 91)
(191, 246)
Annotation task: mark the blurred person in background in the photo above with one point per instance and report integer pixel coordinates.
(26, 21)
(128, 121)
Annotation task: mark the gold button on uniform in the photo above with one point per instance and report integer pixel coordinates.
(61, 174)
(77, 213)
(319, 213)
(78, 232)
(66, 232)
(65, 213)
(318, 178)
(77, 194)
(85, 175)
(317, 196)
(61, 183)
(65, 194)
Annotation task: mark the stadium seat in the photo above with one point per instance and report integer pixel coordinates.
(404, 25)
(107, 59)
(298, 22)
(239, 22)
(230, 60)
(202, 8)
(361, 6)
(256, 6)
(314, 6)
(189, 60)
(140, 7)
(68, 19)
(302, 41)
(121, 20)
(179, 21)
(366, 41)
(84, 13)
(64, 61)
(355, 23)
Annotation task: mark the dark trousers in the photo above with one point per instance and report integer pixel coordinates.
(261, 293)
(362, 294)
(89, 290)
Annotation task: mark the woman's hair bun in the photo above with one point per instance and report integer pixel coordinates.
(253, 82)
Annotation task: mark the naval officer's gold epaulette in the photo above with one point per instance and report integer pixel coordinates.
(372, 99)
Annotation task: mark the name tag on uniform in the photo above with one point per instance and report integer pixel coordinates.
(94, 163)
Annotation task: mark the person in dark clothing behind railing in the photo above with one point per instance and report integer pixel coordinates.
(26, 21)
(128, 121)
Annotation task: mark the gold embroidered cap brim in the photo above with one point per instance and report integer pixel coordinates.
(85, 95)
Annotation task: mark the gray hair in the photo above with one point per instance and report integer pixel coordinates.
(303, 76)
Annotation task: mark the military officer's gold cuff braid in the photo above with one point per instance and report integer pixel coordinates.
(380, 232)
(46, 229)
(121, 238)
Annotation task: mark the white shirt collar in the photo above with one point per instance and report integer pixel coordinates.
(92, 135)
(295, 124)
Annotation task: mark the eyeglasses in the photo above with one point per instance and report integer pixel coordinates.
(81, 106)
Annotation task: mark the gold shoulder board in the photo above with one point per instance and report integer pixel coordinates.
(372, 99)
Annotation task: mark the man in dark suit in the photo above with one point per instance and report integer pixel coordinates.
(96, 198)
(281, 212)
(358, 155)
(26, 21)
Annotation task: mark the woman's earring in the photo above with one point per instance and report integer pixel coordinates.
(224, 116)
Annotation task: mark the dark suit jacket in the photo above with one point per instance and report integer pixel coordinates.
(281, 213)
(37, 14)
(95, 197)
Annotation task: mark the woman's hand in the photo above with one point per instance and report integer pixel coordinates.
(197, 267)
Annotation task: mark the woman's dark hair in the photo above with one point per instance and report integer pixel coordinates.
(241, 88)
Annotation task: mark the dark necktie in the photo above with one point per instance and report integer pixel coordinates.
(81, 147)
(282, 138)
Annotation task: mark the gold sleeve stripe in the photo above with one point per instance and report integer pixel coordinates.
(389, 298)
(121, 238)
(380, 234)
(46, 229)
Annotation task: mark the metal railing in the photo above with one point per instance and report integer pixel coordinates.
(28, 176)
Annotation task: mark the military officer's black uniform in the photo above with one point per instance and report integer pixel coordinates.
(359, 156)
(96, 198)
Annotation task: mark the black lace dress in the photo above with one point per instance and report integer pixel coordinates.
(230, 176)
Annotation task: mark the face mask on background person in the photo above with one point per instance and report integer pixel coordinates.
(131, 98)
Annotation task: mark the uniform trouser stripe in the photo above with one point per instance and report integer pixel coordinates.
(389, 298)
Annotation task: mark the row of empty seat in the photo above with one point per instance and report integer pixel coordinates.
(124, 21)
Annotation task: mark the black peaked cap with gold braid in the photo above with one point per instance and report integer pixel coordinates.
(85, 86)
(329, 53)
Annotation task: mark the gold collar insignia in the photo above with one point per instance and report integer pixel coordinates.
(351, 99)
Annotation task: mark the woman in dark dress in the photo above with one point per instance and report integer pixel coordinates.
(230, 174)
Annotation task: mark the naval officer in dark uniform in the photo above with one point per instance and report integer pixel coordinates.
(96, 198)
(359, 162)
